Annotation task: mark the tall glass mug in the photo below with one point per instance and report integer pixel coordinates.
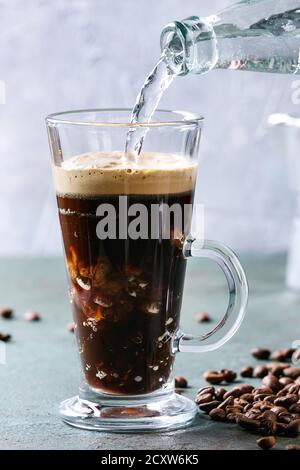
(126, 233)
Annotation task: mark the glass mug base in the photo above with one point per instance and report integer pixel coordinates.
(143, 414)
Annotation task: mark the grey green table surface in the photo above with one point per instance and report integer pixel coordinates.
(42, 368)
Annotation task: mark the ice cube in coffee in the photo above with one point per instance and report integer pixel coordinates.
(126, 293)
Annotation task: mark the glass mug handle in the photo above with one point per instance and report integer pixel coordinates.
(238, 297)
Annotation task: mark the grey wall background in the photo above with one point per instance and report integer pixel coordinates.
(62, 54)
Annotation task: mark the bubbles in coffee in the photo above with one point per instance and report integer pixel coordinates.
(125, 292)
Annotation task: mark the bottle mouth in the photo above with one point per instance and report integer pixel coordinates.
(172, 43)
(189, 46)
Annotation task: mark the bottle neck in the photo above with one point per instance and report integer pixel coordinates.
(189, 45)
(253, 35)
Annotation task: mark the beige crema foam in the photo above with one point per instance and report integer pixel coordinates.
(100, 173)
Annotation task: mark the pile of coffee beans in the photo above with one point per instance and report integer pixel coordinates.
(270, 409)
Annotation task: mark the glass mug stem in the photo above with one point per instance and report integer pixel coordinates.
(238, 297)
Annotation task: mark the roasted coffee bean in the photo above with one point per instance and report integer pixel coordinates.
(219, 393)
(180, 382)
(260, 372)
(6, 313)
(248, 397)
(284, 354)
(277, 371)
(272, 382)
(278, 409)
(281, 427)
(5, 337)
(266, 443)
(227, 402)
(278, 355)
(248, 407)
(246, 371)
(242, 403)
(292, 372)
(232, 417)
(287, 389)
(206, 390)
(234, 409)
(253, 414)
(292, 447)
(31, 316)
(267, 427)
(256, 405)
(270, 398)
(277, 368)
(260, 396)
(71, 327)
(204, 398)
(281, 365)
(265, 407)
(294, 388)
(238, 391)
(214, 377)
(217, 414)
(262, 389)
(285, 381)
(270, 415)
(237, 401)
(286, 401)
(248, 423)
(202, 317)
(229, 375)
(207, 407)
(295, 408)
(293, 429)
(281, 393)
(285, 418)
(260, 353)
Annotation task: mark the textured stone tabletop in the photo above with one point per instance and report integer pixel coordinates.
(41, 365)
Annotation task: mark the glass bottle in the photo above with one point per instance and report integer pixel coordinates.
(252, 35)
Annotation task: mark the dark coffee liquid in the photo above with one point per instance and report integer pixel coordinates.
(126, 296)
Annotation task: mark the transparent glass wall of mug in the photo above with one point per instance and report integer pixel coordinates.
(126, 293)
(126, 234)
